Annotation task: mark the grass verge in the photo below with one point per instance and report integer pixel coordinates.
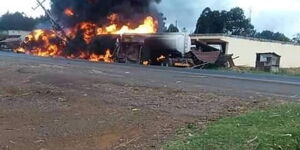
(290, 71)
(274, 129)
(282, 71)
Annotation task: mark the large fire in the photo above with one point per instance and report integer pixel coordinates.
(149, 26)
(47, 43)
(42, 43)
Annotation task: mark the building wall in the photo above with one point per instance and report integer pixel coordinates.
(23, 34)
(246, 49)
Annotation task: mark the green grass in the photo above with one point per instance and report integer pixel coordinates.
(290, 71)
(275, 129)
(282, 71)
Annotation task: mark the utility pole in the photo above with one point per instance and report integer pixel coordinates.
(250, 13)
(55, 25)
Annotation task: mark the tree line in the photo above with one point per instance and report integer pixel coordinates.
(233, 22)
(18, 21)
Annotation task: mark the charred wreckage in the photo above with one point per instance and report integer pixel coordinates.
(123, 31)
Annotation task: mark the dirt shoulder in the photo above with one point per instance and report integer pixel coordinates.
(53, 107)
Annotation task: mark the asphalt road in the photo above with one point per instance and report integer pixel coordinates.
(222, 82)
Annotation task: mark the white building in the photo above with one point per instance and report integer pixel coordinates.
(245, 49)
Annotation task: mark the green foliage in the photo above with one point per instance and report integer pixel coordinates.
(269, 35)
(232, 22)
(275, 129)
(172, 28)
(210, 22)
(296, 38)
(289, 71)
(237, 24)
(162, 23)
(282, 71)
(17, 21)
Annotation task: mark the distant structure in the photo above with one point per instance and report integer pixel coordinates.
(269, 62)
(12, 39)
(250, 13)
(244, 49)
(15, 33)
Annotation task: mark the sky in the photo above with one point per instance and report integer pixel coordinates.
(21, 6)
(275, 15)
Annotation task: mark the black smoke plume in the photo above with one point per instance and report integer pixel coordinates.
(130, 12)
(97, 11)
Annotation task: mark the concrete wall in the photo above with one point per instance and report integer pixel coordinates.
(246, 49)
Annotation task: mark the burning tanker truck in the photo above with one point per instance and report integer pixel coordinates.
(125, 31)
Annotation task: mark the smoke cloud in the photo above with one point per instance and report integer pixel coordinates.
(97, 11)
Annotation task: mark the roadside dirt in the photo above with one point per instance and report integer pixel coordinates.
(51, 107)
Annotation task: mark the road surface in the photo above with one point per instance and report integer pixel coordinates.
(61, 104)
(223, 82)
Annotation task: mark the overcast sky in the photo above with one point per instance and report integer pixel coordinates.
(276, 15)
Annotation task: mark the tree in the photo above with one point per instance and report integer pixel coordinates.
(162, 23)
(236, 23)
(172, 28)
(269, 35)
(210, 22)
(16, 21)
(296, 38)
(281, 37)
(233, 22)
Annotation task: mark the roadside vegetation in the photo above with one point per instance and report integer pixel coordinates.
(274, 129)
(282, 71)
(290, 71)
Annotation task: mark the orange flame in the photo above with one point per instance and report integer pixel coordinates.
(46, 43)
(161, 58)
(146, 63)
(105, 58)
(88, 31)
(149, 26)
(41, 44)
(20, 50)
(69, 12)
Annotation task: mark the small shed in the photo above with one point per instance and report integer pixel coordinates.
(268, 62)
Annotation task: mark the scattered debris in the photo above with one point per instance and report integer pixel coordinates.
(136, 109)
(252, 140)
(127, 142)
(38, 141)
